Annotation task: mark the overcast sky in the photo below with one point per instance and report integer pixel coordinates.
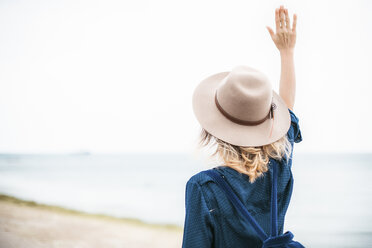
(118, 76)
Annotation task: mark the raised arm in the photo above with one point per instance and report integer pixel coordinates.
(285, 40)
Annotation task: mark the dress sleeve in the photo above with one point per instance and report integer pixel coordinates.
(294, 132)
(198, 223)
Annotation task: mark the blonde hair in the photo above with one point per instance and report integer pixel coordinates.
(250, 160)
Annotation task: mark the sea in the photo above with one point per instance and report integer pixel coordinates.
(331, 205)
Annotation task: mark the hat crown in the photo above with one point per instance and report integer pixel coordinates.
(245, 93)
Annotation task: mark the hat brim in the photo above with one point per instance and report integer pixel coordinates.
(214, 122)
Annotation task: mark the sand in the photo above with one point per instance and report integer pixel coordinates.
(31, 225)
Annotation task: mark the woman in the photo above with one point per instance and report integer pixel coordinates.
(252, 127)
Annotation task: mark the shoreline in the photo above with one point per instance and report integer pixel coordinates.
(58, 209)
(34, 225)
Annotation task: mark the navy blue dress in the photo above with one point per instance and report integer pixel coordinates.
(212, 221)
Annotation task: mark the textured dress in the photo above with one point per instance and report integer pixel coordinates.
(212, 221)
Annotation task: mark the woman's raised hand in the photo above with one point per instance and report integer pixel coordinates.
(285, 36)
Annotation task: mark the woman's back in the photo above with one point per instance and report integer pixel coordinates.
(212, 221)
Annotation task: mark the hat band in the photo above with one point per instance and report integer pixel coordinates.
(245, 122)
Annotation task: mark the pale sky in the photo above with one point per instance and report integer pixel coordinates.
(118, 76)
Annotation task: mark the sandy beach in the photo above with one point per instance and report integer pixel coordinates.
(32, 225)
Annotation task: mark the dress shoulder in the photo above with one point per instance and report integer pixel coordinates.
(294, 132)
(199, 178)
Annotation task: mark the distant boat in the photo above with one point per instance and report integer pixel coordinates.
(81, 153)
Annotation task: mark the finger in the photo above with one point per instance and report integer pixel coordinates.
(294, 23)
(271, 32)
(287, 21)
(277, 20)
(282, 18)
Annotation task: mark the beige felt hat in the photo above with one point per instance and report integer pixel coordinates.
(241, 108)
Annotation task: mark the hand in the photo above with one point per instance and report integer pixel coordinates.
(285, 37)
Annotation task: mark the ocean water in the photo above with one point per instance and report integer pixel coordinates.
(330, 206)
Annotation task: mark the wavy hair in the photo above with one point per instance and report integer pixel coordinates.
(250, 160)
